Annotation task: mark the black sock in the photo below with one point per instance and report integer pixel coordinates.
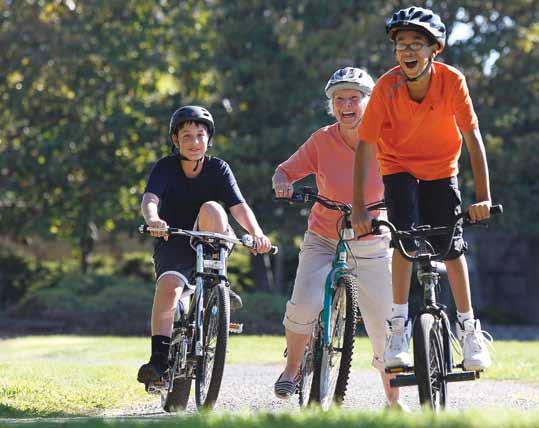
(160, 344)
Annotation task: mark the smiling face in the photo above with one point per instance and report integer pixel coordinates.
(192, 140)
(413, 51)
(348, 107)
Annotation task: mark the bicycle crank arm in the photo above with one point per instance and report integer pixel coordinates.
(411, 380)
(403, 380)
(462, 376)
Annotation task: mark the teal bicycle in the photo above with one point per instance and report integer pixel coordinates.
(327, 359)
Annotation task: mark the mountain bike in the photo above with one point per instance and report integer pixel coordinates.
(327, 359)
(434, 364)
(200, 331)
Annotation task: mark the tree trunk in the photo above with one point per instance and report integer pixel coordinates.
(87, 244)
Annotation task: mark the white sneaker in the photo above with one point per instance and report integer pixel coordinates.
(397, 342)
(398, 406)
(474, 343)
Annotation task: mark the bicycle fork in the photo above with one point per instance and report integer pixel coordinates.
(199, 298)
(331, 282)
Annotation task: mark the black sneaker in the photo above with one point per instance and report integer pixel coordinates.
(235, 300)
(152, 372)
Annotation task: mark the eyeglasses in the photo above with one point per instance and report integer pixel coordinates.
(415, 46)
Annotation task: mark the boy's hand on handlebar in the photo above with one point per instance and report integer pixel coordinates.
(263, 244)
(159, 224)
(479, 211)
(361, 222)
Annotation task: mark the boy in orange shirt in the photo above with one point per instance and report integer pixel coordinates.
(417, 114)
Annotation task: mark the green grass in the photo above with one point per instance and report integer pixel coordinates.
(69, 375)
(58, 375)
(335, 418)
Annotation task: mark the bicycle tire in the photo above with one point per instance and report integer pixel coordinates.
(336, 360)
(429, 365)
(210, 366)
(309, 381)
(175, 399)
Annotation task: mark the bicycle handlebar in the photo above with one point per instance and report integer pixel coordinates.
(307, 194)
(425, 231)
(246, 240)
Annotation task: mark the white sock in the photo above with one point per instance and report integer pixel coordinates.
(463, 316)
(399, 310)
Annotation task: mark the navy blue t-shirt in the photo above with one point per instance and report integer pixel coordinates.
(180, 197)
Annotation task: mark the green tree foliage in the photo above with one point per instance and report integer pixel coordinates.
(87, 89)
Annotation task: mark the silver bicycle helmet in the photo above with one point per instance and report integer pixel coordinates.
(350, 78)
(419, 19)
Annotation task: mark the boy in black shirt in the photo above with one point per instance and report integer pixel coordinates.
(185, 191)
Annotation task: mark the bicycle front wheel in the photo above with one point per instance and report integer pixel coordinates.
(210, 366)
(429, 366)
(336, 358)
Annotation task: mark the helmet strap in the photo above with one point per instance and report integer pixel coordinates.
(176, 150)
(420, 75)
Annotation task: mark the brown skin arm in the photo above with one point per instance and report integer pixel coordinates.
(246, 218)
(480, 210)
(361, 219)
(149, 207)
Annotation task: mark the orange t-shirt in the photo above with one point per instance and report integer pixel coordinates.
(327, 155)
(423, 138)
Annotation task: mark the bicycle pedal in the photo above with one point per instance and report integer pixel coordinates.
(403, 369)
(155, 387)
(235, 327)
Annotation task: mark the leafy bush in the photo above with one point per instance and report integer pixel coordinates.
(138, 265)
(92, 303)
(19, 274)
(262, 313)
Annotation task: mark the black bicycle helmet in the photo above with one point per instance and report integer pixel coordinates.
(350, 78)
(420, 19)
(191, 114)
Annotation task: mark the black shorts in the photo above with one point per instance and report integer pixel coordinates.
(174, 256)
(178, 256)
(412, 202)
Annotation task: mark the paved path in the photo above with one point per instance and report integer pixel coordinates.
(251, 388)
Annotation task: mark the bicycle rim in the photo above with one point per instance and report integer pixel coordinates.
(210, 365)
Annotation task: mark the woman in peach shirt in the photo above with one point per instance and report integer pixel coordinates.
(329, 155)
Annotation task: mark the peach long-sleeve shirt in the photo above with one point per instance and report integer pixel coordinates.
(327, 155)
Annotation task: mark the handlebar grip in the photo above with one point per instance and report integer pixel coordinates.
(496, 209)
(297, 197)
(274, 250)
(143, 228)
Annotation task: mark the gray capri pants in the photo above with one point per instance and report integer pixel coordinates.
(373, 270)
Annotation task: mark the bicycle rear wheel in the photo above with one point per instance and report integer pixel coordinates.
(176, 394)
(336, 358)
(309, 376)
(429, 365)
(210, 366)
